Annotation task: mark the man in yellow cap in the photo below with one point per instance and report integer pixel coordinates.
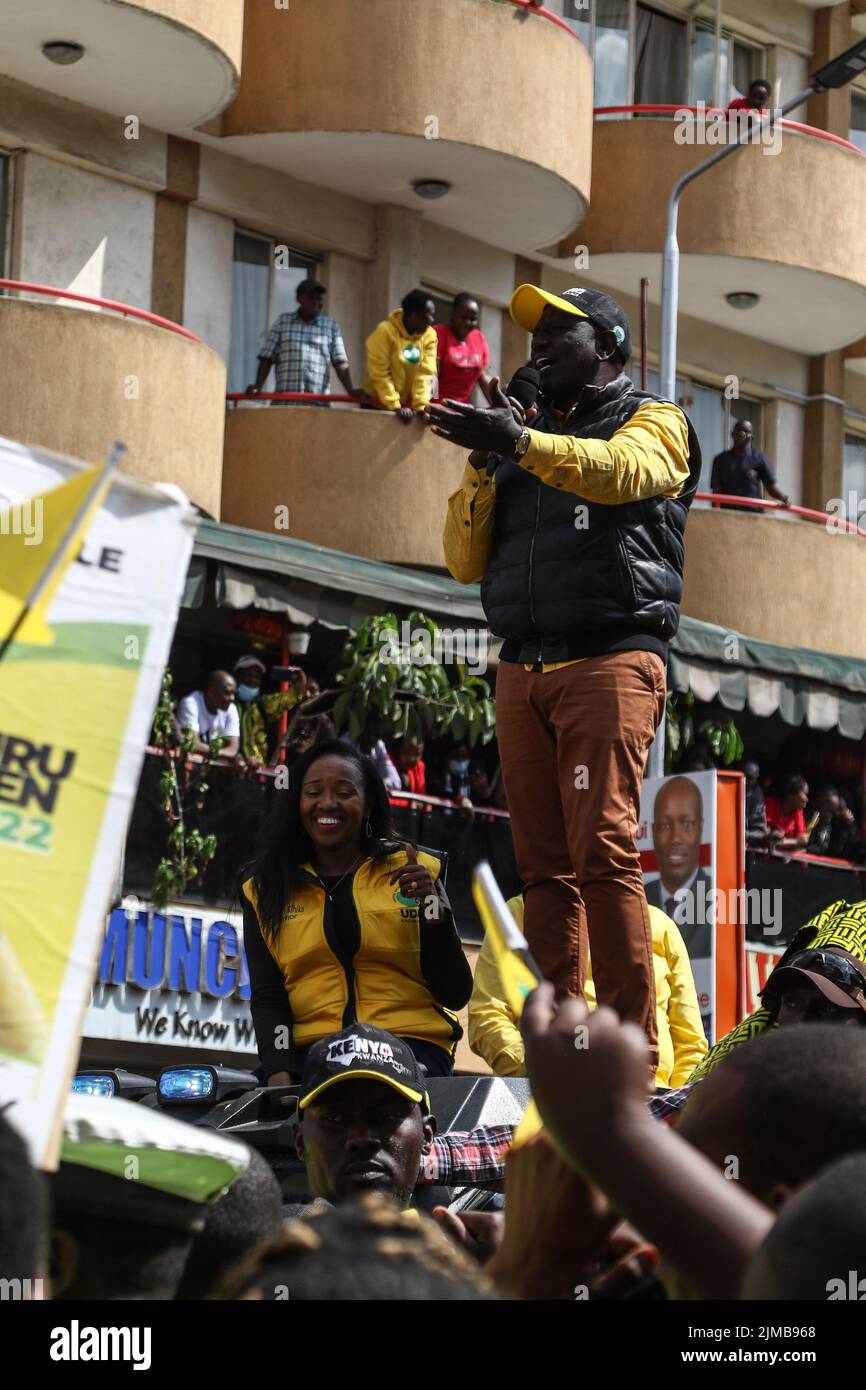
(575, 529)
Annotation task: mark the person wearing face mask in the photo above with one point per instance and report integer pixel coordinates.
(450, 778)
(258, 712)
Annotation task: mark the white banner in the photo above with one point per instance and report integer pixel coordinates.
(75, 715)
(175, 977)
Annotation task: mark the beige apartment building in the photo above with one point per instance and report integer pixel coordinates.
(196, 158)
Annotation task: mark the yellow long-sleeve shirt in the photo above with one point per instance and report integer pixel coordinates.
(401, 366)
(648, 456)
(494, 1035)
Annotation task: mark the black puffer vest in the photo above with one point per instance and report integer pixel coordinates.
(568, 577)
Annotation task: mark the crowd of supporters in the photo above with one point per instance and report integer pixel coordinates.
(357, 979)
(634, 1200)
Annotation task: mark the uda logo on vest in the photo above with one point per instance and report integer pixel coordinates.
(405, 902)
(411, 353)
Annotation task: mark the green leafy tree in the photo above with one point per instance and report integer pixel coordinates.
(183, 789)
(721, 738)
(403, 690)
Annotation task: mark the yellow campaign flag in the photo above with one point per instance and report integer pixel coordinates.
(57, 521)
(517, 969)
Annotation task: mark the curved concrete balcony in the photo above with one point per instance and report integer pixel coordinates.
(491, 98)
(172, 63)
(75, 381)
(795, 584)
(751, 224)
(353, 480)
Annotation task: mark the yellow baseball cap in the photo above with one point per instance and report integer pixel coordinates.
(528, 301)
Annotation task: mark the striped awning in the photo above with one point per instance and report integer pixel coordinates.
(312, 583)
(803, 687)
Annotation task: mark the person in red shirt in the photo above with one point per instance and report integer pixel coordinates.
(786, 822)
(463, 356)
(755, 99)
(409, 761)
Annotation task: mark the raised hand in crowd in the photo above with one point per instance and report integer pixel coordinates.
(479, 1233)
(557, 1225)
(589, 1079)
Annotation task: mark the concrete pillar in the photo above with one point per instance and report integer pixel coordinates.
(170, 227)
(397, 266)
(515, 343)
(824, 431)
(831, 35)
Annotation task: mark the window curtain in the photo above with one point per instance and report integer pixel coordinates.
(250, 282)
(661, 59)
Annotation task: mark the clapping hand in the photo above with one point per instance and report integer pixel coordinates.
(492, 428)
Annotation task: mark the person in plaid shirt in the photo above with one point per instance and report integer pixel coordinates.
(302, 347)
(476, 1157)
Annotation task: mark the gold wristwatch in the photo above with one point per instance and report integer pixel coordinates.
(521, 444)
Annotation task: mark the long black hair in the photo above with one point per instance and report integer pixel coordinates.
(284, 844)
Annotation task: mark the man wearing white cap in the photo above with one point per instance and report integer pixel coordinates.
(575, 529)
(257, 711)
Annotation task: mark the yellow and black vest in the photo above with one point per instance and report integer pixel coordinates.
(385, 987)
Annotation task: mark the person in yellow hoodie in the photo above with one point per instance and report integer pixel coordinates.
(495, 1036)
(401, 357)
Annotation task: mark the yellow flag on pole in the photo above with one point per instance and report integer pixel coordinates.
(34, 558)
(518, 971)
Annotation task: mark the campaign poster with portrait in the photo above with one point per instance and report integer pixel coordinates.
(677, 844)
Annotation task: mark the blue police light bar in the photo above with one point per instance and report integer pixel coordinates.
(186, 1084)
(201, 1085)
(94, 1084)
(113, 1081)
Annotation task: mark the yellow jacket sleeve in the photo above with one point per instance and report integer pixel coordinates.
(379, 380)
(422, 384)
(468, 535)
(278, 701)
(493, 1034)
(684, 1015)
(647, 457)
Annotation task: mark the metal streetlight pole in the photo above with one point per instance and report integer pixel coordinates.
(837, 73)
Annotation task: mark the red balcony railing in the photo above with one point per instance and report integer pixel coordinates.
(671, 109)
(718, 499)
(127, 310)
(543, 13)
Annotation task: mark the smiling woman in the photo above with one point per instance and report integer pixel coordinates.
(344, 924)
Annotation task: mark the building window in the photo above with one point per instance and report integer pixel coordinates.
(5, 213)
(265, 276)
(713, 417)
(443, 301)
(645, 55)
(854, 474)
(857, 121)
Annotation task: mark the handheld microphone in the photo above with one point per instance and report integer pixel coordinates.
(523, 387)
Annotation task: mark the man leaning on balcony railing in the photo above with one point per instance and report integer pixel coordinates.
(302, 347)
